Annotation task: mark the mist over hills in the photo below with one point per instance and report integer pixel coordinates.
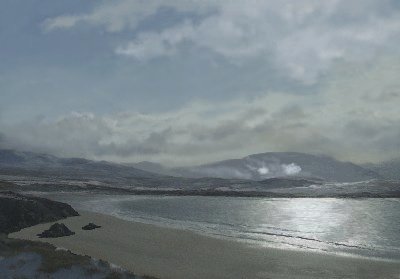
(42, 172)
(269, 165)
(285, 174)
(255, 167)
(389, 169)
(36, 164)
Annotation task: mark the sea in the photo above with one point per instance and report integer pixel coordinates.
(352, 227)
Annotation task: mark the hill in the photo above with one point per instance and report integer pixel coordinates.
(274, 164)
(388, 170)
(14, 162)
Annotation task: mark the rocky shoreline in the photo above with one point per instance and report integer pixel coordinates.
(19, 211)
(33, 259)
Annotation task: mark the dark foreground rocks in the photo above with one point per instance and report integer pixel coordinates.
(90, 226)
(29, 259)
(56, 230)
(20, 211)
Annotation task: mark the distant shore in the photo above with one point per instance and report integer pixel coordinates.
(172, 253)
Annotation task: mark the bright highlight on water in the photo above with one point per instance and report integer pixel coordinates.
(362, 227)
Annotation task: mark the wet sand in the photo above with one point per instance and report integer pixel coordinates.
(172, 253)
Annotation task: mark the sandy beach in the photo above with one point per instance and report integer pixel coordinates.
(172, 253)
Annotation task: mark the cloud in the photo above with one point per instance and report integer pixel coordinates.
(291, 169)
(353, 117)
(151, 45)
(118, 15)
(113, 16)
(263, 170)
(304, 37)
(346, 49)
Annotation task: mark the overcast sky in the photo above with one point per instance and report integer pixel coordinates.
(186, 82)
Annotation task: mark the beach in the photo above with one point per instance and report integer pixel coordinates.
(173, 253)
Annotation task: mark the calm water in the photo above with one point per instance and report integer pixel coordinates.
(366, 227)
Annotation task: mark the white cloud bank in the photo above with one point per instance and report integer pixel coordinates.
(355, 116)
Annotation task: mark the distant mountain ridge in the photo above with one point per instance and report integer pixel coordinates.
(256, 167)
(16, 162)
(388, 169)
(272, 164)
(286, 174)
(51, 173)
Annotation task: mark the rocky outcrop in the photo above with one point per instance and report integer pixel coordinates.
(20, 211)
(56, 230)
(90, 227)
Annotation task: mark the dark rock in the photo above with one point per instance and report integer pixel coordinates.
(56, 230)
(20, 211)
(90, 226)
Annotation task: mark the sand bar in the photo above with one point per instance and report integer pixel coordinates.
(172, 253)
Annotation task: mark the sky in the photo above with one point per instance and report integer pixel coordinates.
(188, 82)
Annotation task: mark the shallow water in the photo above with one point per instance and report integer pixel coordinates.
(361, 227)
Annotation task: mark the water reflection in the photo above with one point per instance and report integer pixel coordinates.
(367, 227)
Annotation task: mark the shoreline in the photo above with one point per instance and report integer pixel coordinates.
(166, 252)
(256, 243)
